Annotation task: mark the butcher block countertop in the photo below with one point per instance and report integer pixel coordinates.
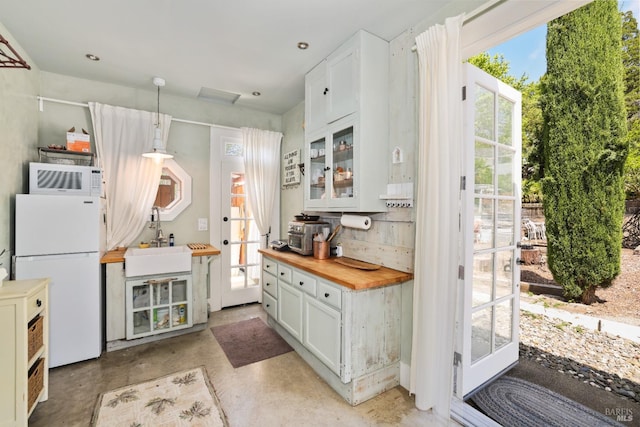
(199, 249)
(349, 277)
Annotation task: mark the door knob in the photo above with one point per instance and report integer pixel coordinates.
(225, 242)
(225, 219)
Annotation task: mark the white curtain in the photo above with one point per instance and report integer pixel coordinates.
(261, 168)
(131, 181)
(437, 235)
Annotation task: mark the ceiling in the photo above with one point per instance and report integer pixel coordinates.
(234, 46)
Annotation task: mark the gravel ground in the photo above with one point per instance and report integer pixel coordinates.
(597, 358)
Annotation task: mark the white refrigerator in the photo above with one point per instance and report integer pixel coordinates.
(60, 237)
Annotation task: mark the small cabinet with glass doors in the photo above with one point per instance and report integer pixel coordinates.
(158, 304)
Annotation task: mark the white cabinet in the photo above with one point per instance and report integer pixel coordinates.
(156, 305)
(346, 128)
(322, 332)
(290, 309)
(24, 338)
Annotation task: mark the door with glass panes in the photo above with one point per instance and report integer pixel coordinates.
(241, 239)
(488, 325)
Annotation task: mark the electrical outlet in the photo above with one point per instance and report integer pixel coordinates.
(203, 224)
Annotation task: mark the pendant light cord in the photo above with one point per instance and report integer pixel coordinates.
(158, 120)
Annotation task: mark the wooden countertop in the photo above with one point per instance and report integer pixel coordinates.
(117, 255)
(349, 277)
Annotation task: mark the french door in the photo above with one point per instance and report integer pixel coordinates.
(233, 227)
(487, 341)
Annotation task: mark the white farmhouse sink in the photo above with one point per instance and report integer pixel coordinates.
(153, 261)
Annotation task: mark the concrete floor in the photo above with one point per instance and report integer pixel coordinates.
(281, 391)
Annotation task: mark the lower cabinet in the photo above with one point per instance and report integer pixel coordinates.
(350, 338)
(156, 305)
(322, 332)
(290, 309)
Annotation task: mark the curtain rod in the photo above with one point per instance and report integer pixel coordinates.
(41, 100)
(478, 12)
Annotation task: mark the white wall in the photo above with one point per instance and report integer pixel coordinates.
(18, 124)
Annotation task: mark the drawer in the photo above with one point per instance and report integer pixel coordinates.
(304, 282)
(269, 305)
(284, 273)
(330, 295)
(36, 303)
(270, 265)
(270, 284)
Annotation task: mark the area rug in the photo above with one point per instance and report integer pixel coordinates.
(516, 402)
(249, 341)
(182, 399)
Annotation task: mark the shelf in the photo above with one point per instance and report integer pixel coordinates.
(344, 183)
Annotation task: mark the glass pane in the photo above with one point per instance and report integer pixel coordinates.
(504, 321)
(141, 296)
(161, 318)
(179, 291)
(160, 293)
(482, 279)
(505, 121)
(483, 223)
(238, 278)
(504, 275)
(141, 322)
(483, 168)
(318, 157)
(485, 113)
(481, 333)
(253, 275)
(505, 171)
(343, 163)
(505, 226)
(179, 315)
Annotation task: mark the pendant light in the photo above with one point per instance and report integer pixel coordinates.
(157, 151)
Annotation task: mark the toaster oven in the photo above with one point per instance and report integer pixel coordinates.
(301, 235)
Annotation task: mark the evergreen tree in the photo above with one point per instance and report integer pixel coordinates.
(584, 148)
(631, 62)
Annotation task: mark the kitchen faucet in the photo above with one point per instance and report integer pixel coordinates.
(159, 239)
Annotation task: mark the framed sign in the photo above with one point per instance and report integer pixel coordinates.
(290, 169)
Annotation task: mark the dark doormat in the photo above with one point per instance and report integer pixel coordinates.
(249, 341)
(516, 402)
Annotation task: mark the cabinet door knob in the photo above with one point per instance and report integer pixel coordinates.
(268, 265)
(328, 168)
(282, 273)
(326, 294)
(301, 283)
(268, 306)
(326, 90)
(38, 302)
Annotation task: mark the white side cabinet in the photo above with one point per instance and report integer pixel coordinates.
(24, 338)
(346, 127)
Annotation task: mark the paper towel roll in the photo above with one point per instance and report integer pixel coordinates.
(356, 221)
(3, 274)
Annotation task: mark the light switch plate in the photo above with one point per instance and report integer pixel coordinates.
(203, 224)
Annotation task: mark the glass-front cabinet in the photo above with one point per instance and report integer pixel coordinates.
(331, 163)
(156, 305)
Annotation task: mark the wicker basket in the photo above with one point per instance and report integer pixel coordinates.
(35, 336)
(35, 382)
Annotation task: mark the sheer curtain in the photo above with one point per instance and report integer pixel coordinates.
(261, 168)
(131, 181)
(437, 235)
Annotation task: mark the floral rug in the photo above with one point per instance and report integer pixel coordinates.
(181, 399)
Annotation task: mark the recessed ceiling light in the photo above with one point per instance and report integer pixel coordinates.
(92, 57)
(256, 93)
(303, 45)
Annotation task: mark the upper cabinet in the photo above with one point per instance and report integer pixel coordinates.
(346, 127)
